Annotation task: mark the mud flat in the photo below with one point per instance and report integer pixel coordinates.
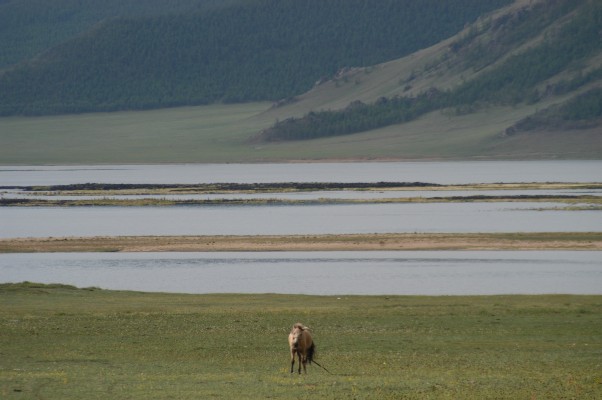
(349, 242)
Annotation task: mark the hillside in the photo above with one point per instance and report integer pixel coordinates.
(532, 53)
(30, 27)
(521, 82)
(121, 58)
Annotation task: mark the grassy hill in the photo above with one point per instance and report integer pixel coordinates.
(548, 47)
(557, 54)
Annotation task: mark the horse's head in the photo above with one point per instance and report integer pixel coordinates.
(296, 335)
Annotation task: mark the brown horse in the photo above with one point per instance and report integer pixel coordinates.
(301, 344)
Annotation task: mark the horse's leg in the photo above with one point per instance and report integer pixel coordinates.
(300, 360)
(292, 360)
(304, 363)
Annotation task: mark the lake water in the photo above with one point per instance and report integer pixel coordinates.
(319, 273)
(333, 273)
(432, 172)
(299, 219)
(305, 219)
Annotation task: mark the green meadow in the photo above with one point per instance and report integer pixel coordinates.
(225, 133)
(59, 342)
(187, 134)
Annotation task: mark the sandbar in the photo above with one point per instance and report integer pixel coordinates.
(346, 242)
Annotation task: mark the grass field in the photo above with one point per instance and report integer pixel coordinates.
(214, 133)
(59, 342)
(223, 133)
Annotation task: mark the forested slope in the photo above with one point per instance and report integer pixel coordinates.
(29, 27)
(199, 53)
(544, 50)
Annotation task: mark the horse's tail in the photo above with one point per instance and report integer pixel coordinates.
(311, 352)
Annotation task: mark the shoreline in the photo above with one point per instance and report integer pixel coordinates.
(318, 160)
(345, 242)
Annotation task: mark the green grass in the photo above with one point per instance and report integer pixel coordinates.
(63, 343)
(189, 134)
(223, 133)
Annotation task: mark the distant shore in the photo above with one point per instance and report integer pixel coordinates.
(348, 242)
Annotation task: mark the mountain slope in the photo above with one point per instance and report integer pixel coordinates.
(529, 53)
(30, 27)
(553, 114)
(252, 50)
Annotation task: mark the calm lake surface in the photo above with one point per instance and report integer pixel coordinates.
(432, 172)
(318, 273)
(305, 219)
(298, 219)
(330, 273)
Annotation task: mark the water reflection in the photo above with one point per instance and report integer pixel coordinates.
(288, 220)
(435, 172)
(326, 273)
